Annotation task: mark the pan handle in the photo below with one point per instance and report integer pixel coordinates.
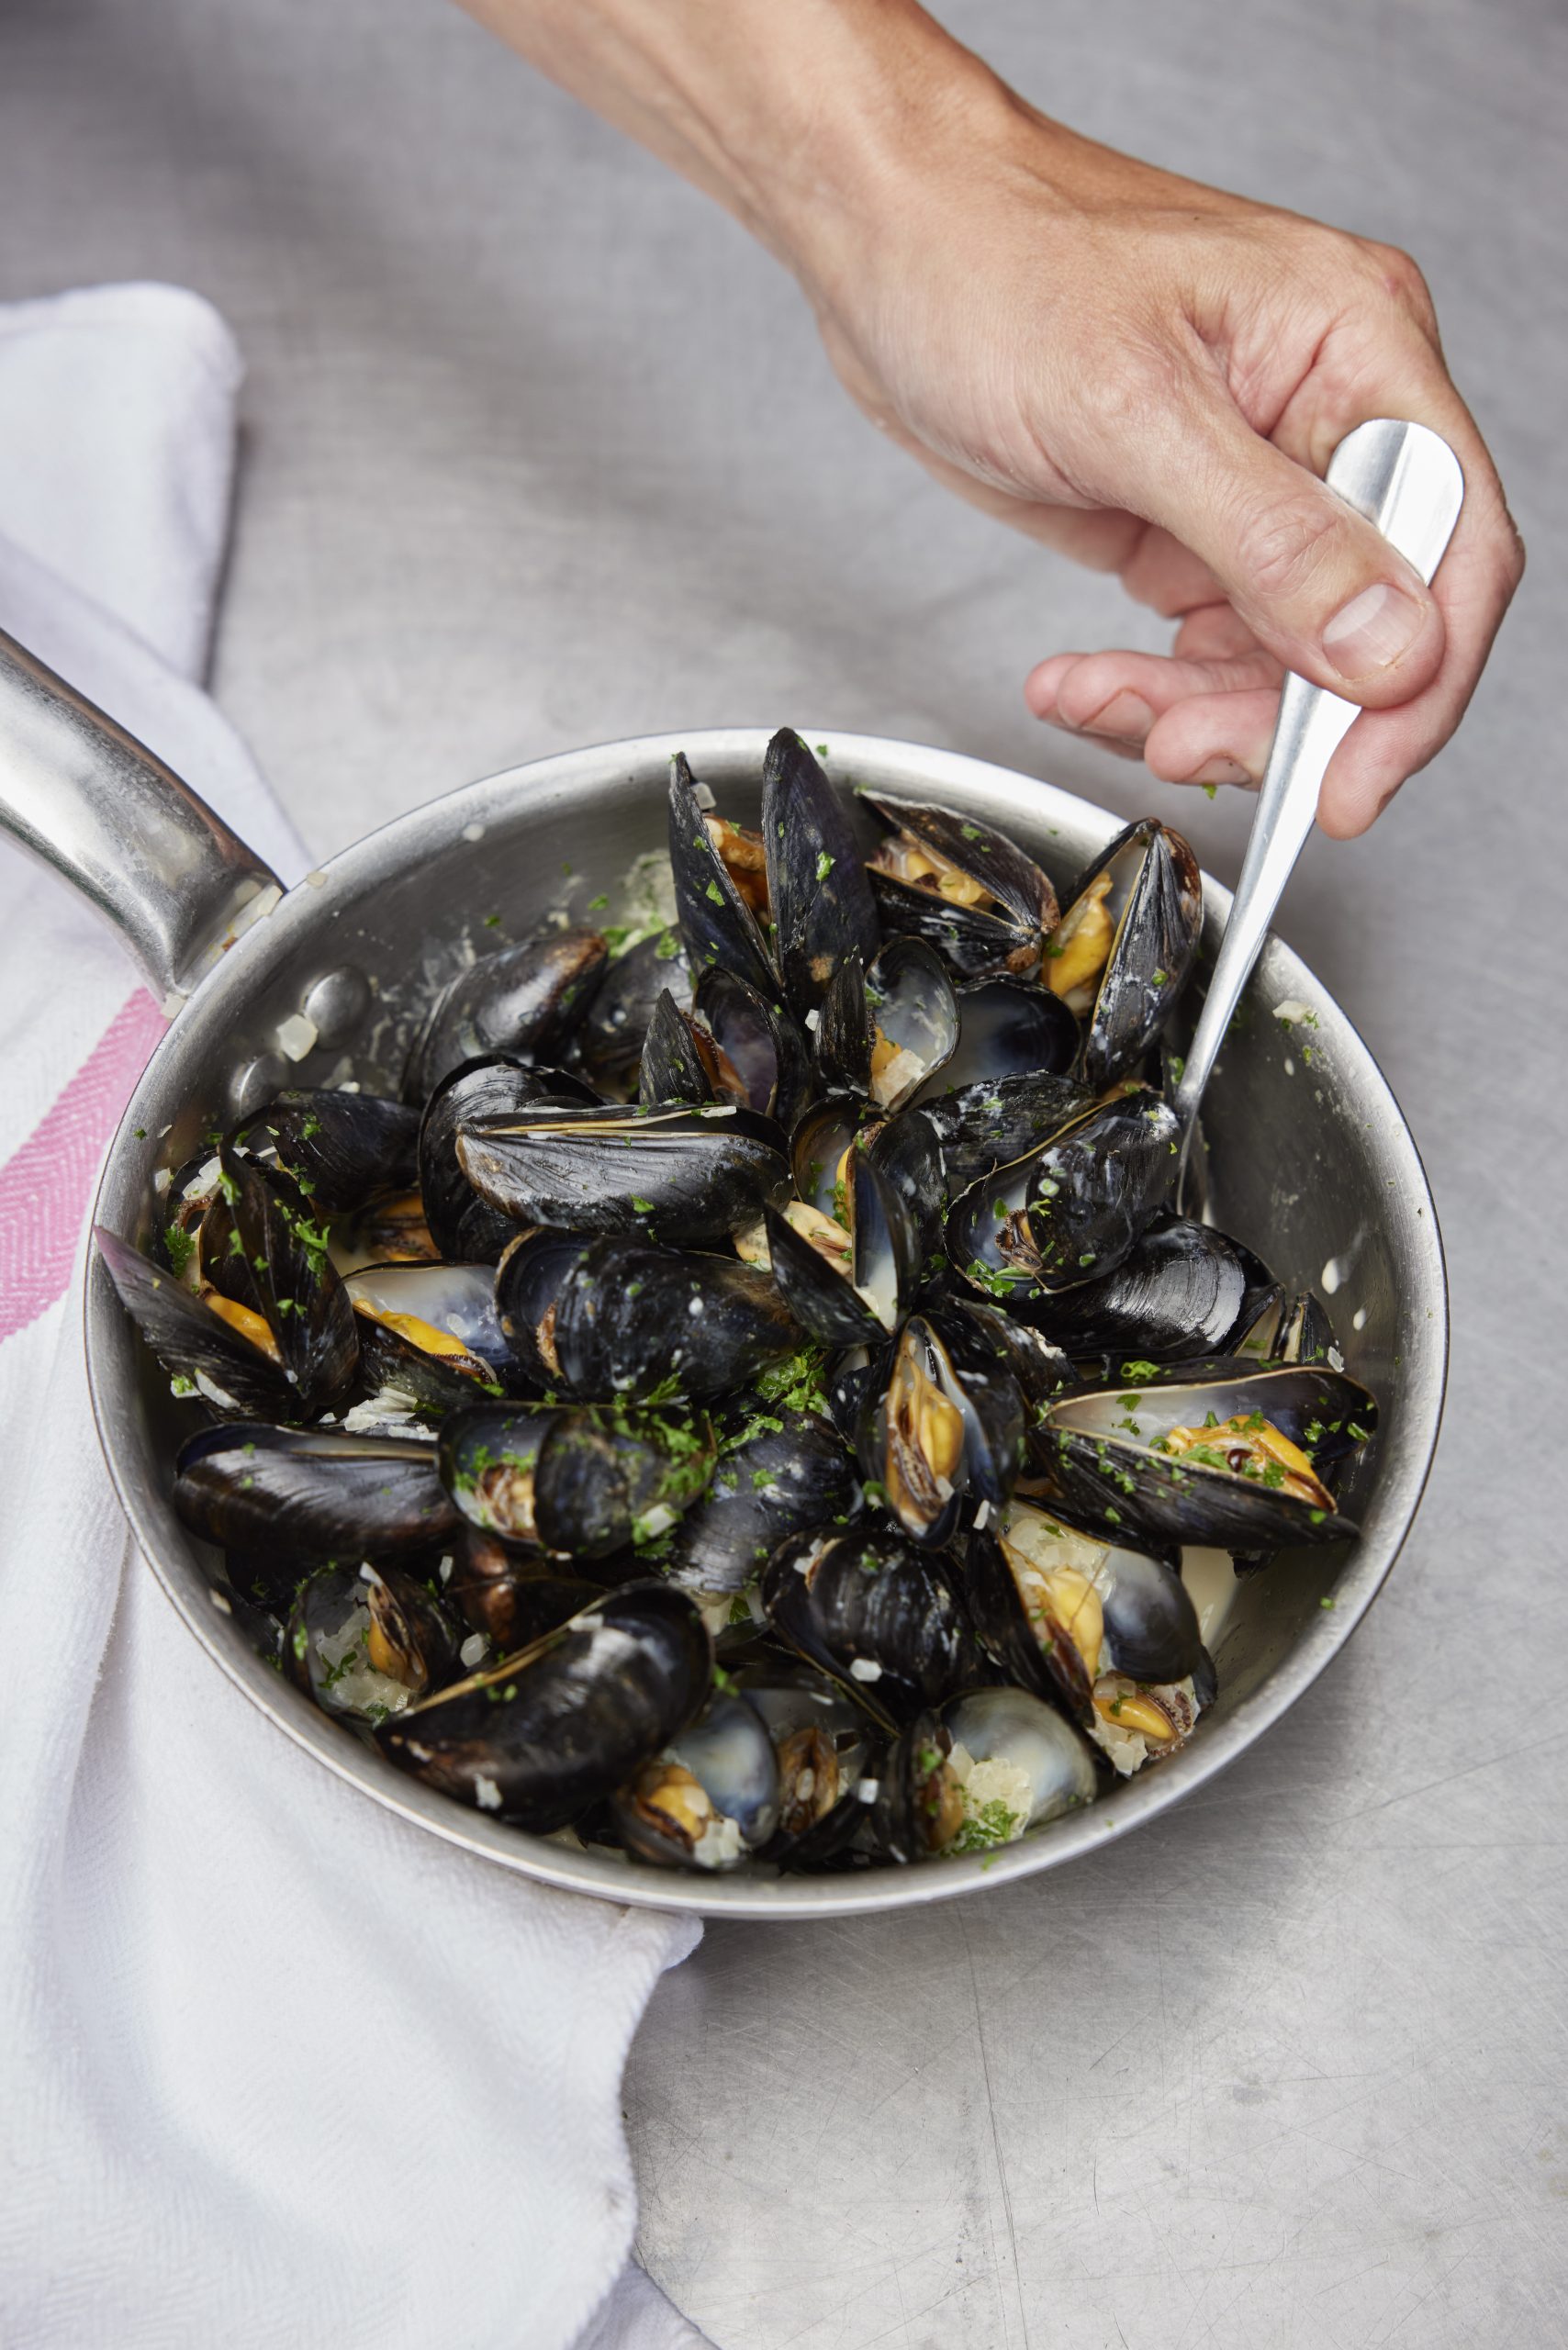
(136, 843)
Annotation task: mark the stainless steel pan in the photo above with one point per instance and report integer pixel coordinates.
(1315, 1168)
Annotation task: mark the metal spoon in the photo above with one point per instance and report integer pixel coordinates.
(1408, 481)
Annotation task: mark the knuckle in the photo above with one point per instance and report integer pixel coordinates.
(1284, 549)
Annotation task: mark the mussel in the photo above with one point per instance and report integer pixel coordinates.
(847, 1283)
(716, 921)
(826, 1750)
(579, 1482)
(965, 888)
(779, 1472)
(879, 1615)
(468, 1229)
(367, 1641)
(677, 1174)
(429, 1334)
(709, 1798)
(1017, 1762)
(947, 1429)
(820, 899)
(1183, 1288)
(525, 1000)
(1222, 1452)
(610, 1036)
(1126, 943)
(540, 1736)
(1072, 1210)
(294, 1495)
(340, 1148)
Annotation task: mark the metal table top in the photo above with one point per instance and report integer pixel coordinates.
(540, 452)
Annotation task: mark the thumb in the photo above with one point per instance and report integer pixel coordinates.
(1312, 578)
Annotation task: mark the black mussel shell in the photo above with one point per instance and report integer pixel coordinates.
(1054, 1766)
(879, 1615)
(546, 1733)
(1100, 1446)
(913, 1022)
(467, 1229)
(340, 1147)
(192, 1342)
(634, 1321)
(948, 1425)
(1070, 1212)
(718, 926)
(827, 1753)
(710, 1799)
(1286, 1330)
(843, 1056)
(965, 889)
(849, 1381)
(511, 1596)
(528, 1279)
(998, 1121)
(918, 1809)
(525, 1000)
(820, 1153)
(834, 1309)
(759, 1056)
(1145, 897)
(822, 903)
(364, 1641)
(610, 1036)
(608, 1478)
(1057, 1608)
(490, 1465)
(431, 1334)
(1182, 1289)
(778, 1471)
(291, 1495)
(1007, 1028)
(671, 1072)
(296, 1287)
(907, 1152)
(677, 1174)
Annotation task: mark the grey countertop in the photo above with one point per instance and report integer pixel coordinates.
(539, 450)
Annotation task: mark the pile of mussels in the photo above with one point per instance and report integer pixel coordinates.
(747, 1399)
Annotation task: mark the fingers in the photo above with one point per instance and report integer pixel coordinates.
(1315, 583)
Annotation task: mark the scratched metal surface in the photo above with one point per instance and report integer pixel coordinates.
(539, 452)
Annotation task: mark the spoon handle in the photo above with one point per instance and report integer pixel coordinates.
(1407, 481)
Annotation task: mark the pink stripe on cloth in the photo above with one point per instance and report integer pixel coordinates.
(45, 1188)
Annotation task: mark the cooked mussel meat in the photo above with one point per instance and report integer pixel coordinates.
(709, 1798)
(1126, 943)
(1224, 1452)
(962, 887)
(918, 1808)
(826, 1750)
(367, 1641)
(947, 1429)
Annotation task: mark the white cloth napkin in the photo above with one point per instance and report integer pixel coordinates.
(276, 2068)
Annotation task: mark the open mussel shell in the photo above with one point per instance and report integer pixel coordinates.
(1007, 1028)
(630, 1321)
(1056, 1608)
(918, 1808)
(546, 1733)
(1188, 1456)
(821, 898)
(862, 1306)
(826, 1750)
(670, 1073)
(964, 888)
(340, 1148)
(879, 1615)
(430, 1333)
(777, 1474)
(290, 1281)
(947, 1428)
(757, 1052)
(1071, 1210)
(367, 1641)
(514, 1596)
(677, 1174)
(212, 1357)
(1182, 1289)
(530, 1277)
(1018, 1763)
(821, 1152)
(907, 1152)
(488, 1464)
(575, 1481)
(1126, 943)
(466, 1228)
(717, 925)
(525, 1000)
(997, 1121)
(610, 1036)
(710, 1799)
(913, 1017)
(291, 1495)
(1286, 1330)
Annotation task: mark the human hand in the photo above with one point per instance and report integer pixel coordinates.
(1149, 375)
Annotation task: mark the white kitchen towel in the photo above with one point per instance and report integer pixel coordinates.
(274, 2067)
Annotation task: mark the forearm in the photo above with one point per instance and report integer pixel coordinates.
(800, 116)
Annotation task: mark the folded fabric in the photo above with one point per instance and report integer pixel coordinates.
(275, 2066)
